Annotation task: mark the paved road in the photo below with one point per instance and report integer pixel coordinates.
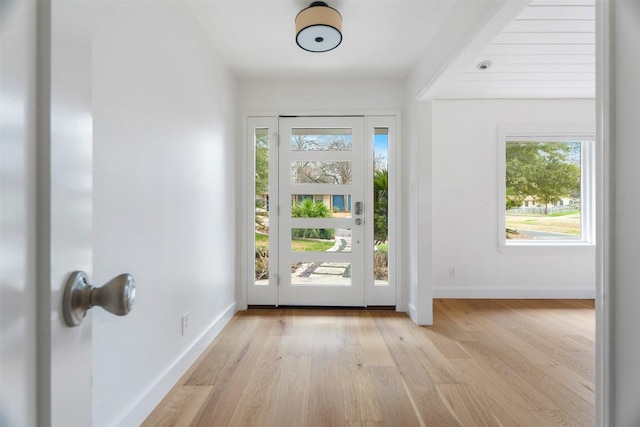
(544, 235)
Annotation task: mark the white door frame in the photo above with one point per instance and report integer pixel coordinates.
(248, 293)
(604, 201)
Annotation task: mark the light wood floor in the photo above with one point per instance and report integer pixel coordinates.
(484, 363)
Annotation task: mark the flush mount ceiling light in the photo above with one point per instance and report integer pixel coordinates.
(318, 28)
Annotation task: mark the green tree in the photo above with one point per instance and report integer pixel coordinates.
(262, 165)
(546, 171)
(380, 206)
(310, 209)
(512, 200)
(334, 172)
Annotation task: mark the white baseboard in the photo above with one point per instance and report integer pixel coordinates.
(402, 307)
(413, 314)
(515, 293)
(149, 399)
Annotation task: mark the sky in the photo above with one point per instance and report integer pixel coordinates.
(380, 145)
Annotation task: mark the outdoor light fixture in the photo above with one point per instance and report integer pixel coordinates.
(318, 28)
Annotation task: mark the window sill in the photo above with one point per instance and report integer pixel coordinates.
(544, 247)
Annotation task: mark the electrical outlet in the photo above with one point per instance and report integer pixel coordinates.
(452, 272)
(185, 322)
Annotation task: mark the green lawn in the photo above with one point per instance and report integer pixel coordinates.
(262, 240)
(564, 213)
(568, 224)
(383, 247)
(298, 245)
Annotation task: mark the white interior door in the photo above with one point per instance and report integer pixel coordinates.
(18, 382)
(321, 211)
(45, 210)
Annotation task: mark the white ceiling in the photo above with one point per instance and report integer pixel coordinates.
(542, 48)
(381, 38)
(548, 50)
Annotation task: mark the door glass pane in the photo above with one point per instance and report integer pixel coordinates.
(320, 240)
(330, 172)
(381, 207)
(321, 139)
(317, 273)
(261, 186)
(306, 205)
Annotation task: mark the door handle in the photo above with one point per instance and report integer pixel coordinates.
(116, 296)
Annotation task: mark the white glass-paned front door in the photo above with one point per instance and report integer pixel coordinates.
(322, 215)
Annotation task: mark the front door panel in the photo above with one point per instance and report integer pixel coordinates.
(321, 238)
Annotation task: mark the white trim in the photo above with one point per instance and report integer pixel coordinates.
(413, 314)
(397, 202)
(402, 307)
(242, 274)
(545, 247)
(510, 96)
(140, 409)
(317, 113)
(514, 293)
(549, 133)
(604, 371)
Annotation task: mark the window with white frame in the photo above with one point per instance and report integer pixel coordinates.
(545, 188)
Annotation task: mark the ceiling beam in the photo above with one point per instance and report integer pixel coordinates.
(493, 23)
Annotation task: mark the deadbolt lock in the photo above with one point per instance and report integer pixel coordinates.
(358, 208)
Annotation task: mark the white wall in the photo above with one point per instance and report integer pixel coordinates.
(416, 225)
(625, 253)
(330, 96)
(166, 132)
(465, 206)
(17, 213)
(416, 229)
